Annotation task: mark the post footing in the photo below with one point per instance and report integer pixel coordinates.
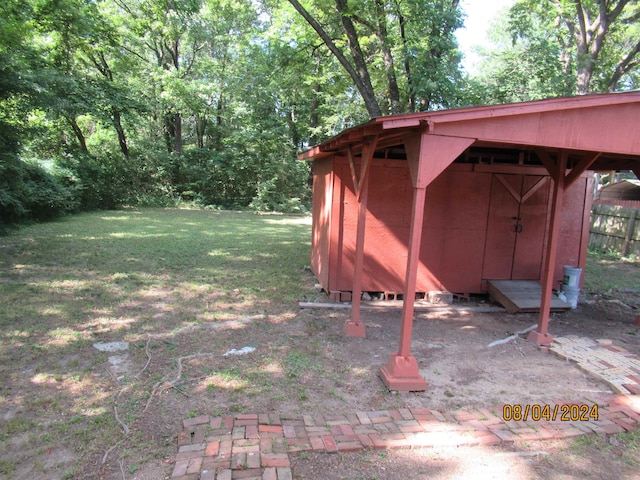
(351, 329)
(401, 374)
(541, 339)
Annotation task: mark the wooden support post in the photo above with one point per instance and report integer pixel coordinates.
(540, 336)
(428, 156)
(401, 371)
(354, 327)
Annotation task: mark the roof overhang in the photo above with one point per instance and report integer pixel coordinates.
(606, 124)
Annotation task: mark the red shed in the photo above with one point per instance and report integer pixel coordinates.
(452, 199)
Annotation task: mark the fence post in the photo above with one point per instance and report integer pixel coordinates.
(629, 234)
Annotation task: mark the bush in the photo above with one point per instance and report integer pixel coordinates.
(30, 192)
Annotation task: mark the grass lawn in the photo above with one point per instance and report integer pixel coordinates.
(132, 275)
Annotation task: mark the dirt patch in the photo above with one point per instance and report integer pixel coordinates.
(302, 363)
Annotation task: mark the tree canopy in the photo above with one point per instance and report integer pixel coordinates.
(111, 102)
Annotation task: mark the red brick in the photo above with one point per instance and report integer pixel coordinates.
(378, 441)
(329, 444)
(363, 417)
(274, 460)
(189, 455)
(317, 431)
(316, 443)
(410, 428)
(194, 465)
(246, 448)
(184, 438)
(347, 430)
(365, 441)
(485, 438)
(191, 448)
(251, 432)
(180, 468)
(266, 445)
(269, 474)
(395, 414)
(208, 475)
(212, 449)
(399, 443)
(224, 475)
(569, 432)
(503, 435)
(190, 422)
(215, 423)
(246, 416)
(225, 447)
(626, 425)
(227, 422)
(349, 446)
(253, 460)
(244, 423)
(284, 473)
(198, 434)
(353, 419)
(238, 461)
(609, 427)
(632, 387)
(289, 431)
(270, 428)
(279, 445)
(254, 474)
(249, 474)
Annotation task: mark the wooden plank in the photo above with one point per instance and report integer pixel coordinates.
(397, 305)
(521, 296)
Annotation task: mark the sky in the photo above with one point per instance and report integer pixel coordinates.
(479, 14)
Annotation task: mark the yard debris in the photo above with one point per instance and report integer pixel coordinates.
(242, 351)
(512, 337)
(111, 346)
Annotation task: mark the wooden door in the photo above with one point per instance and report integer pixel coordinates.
(516, 227)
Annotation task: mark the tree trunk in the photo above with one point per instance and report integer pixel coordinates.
(78, 133)
(177, 129)
(411, 101)
(366, 91)
(390, 71)
(590, 36)
(201, 127)
(359, 61)
(122, 139)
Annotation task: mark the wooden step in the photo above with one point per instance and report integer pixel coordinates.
(522, 296)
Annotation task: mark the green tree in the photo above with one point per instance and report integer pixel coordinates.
(565, 47)
(410, 42)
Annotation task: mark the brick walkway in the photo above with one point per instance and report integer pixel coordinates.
(257, 447)
(609, 363)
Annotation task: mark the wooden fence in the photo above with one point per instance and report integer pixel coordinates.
(615, 227)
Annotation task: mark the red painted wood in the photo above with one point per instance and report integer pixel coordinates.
(501, 228)
(321, 227)
(540, 335)
(354, 327)
(527, 258)
(458, 250)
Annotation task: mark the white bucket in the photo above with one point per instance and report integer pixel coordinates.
(571, 297)
(571, 279)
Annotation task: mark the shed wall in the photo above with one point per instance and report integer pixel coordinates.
(461, 243)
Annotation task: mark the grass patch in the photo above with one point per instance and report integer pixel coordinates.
(140, 276)
(608, 271)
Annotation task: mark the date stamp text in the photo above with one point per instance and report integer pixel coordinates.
(575, 412)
